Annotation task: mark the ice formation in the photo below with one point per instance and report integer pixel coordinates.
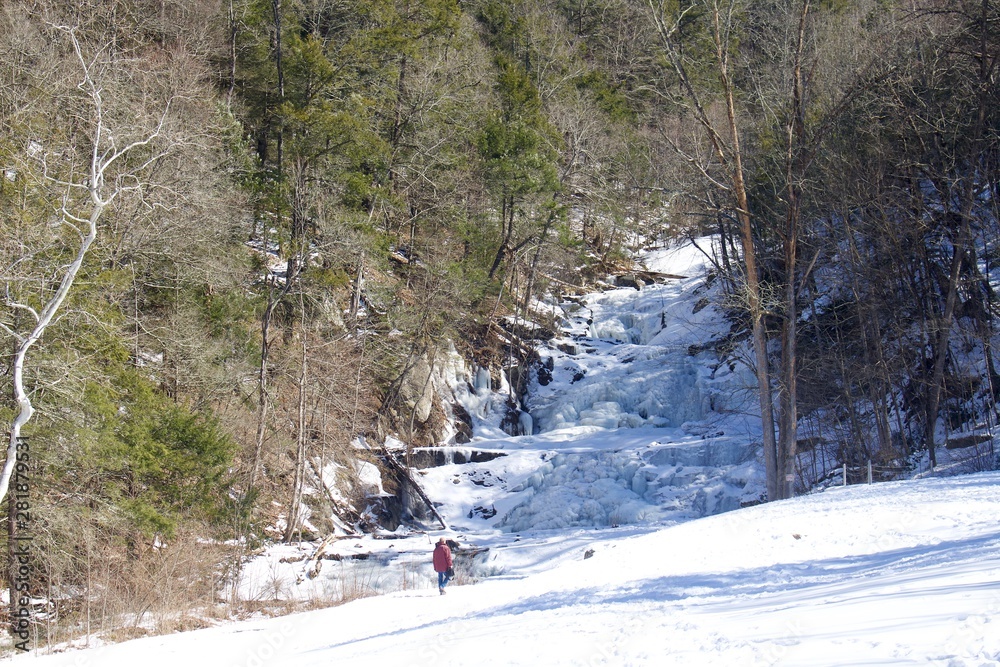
(629, 420)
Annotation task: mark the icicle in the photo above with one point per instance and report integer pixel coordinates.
(526, 423)
(483, 381)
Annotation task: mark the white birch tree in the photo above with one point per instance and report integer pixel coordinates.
(120, 149)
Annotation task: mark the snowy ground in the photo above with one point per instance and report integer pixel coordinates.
(903, 573)
(610, 531)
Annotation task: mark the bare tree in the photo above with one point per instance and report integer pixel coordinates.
(725, 141)
(984, 59)
(117, 160)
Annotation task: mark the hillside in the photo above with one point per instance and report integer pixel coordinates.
(287, 286)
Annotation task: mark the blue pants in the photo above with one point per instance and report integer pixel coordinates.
(443, 579)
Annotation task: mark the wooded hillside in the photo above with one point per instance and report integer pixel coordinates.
(236, 236)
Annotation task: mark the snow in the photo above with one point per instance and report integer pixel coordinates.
(614, 530)
(900, 573)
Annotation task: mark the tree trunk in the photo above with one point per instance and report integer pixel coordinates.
(232, 55)
(293, 267)
(12, 567)
(298, 478)
(794, 171)
(276, 7)
(533, 268)
(356, 295)
(754, 303)
(731, 158)
(507, 224)
(263, 399)
(964, 240)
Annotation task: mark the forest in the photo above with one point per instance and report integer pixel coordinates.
(237, 237)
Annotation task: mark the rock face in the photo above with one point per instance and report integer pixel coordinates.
(417, 390)
(465, 394)
(431, 457)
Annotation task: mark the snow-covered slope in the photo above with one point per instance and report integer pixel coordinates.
(904, 573)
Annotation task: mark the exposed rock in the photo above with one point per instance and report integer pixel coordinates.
(463, 424)
(432, 457)
(967, 441)
(417, 390)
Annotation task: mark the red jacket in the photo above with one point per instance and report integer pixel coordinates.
(442, 558)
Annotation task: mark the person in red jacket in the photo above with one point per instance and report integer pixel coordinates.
(443, 564)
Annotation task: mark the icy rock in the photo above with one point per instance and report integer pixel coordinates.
(600, 422)
(417, 391)
(716, 453)
(631, 420)
(640, 484)
(604, 414)
(566, 417)
(570, 348)
(612, 329)
(592, 489)
(369, 478)
(658, 387)
(742, 475)
(716, 498)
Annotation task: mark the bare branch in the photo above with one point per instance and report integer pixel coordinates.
(695, 162)
(22, 306)
(18, 337)
(138, 144)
